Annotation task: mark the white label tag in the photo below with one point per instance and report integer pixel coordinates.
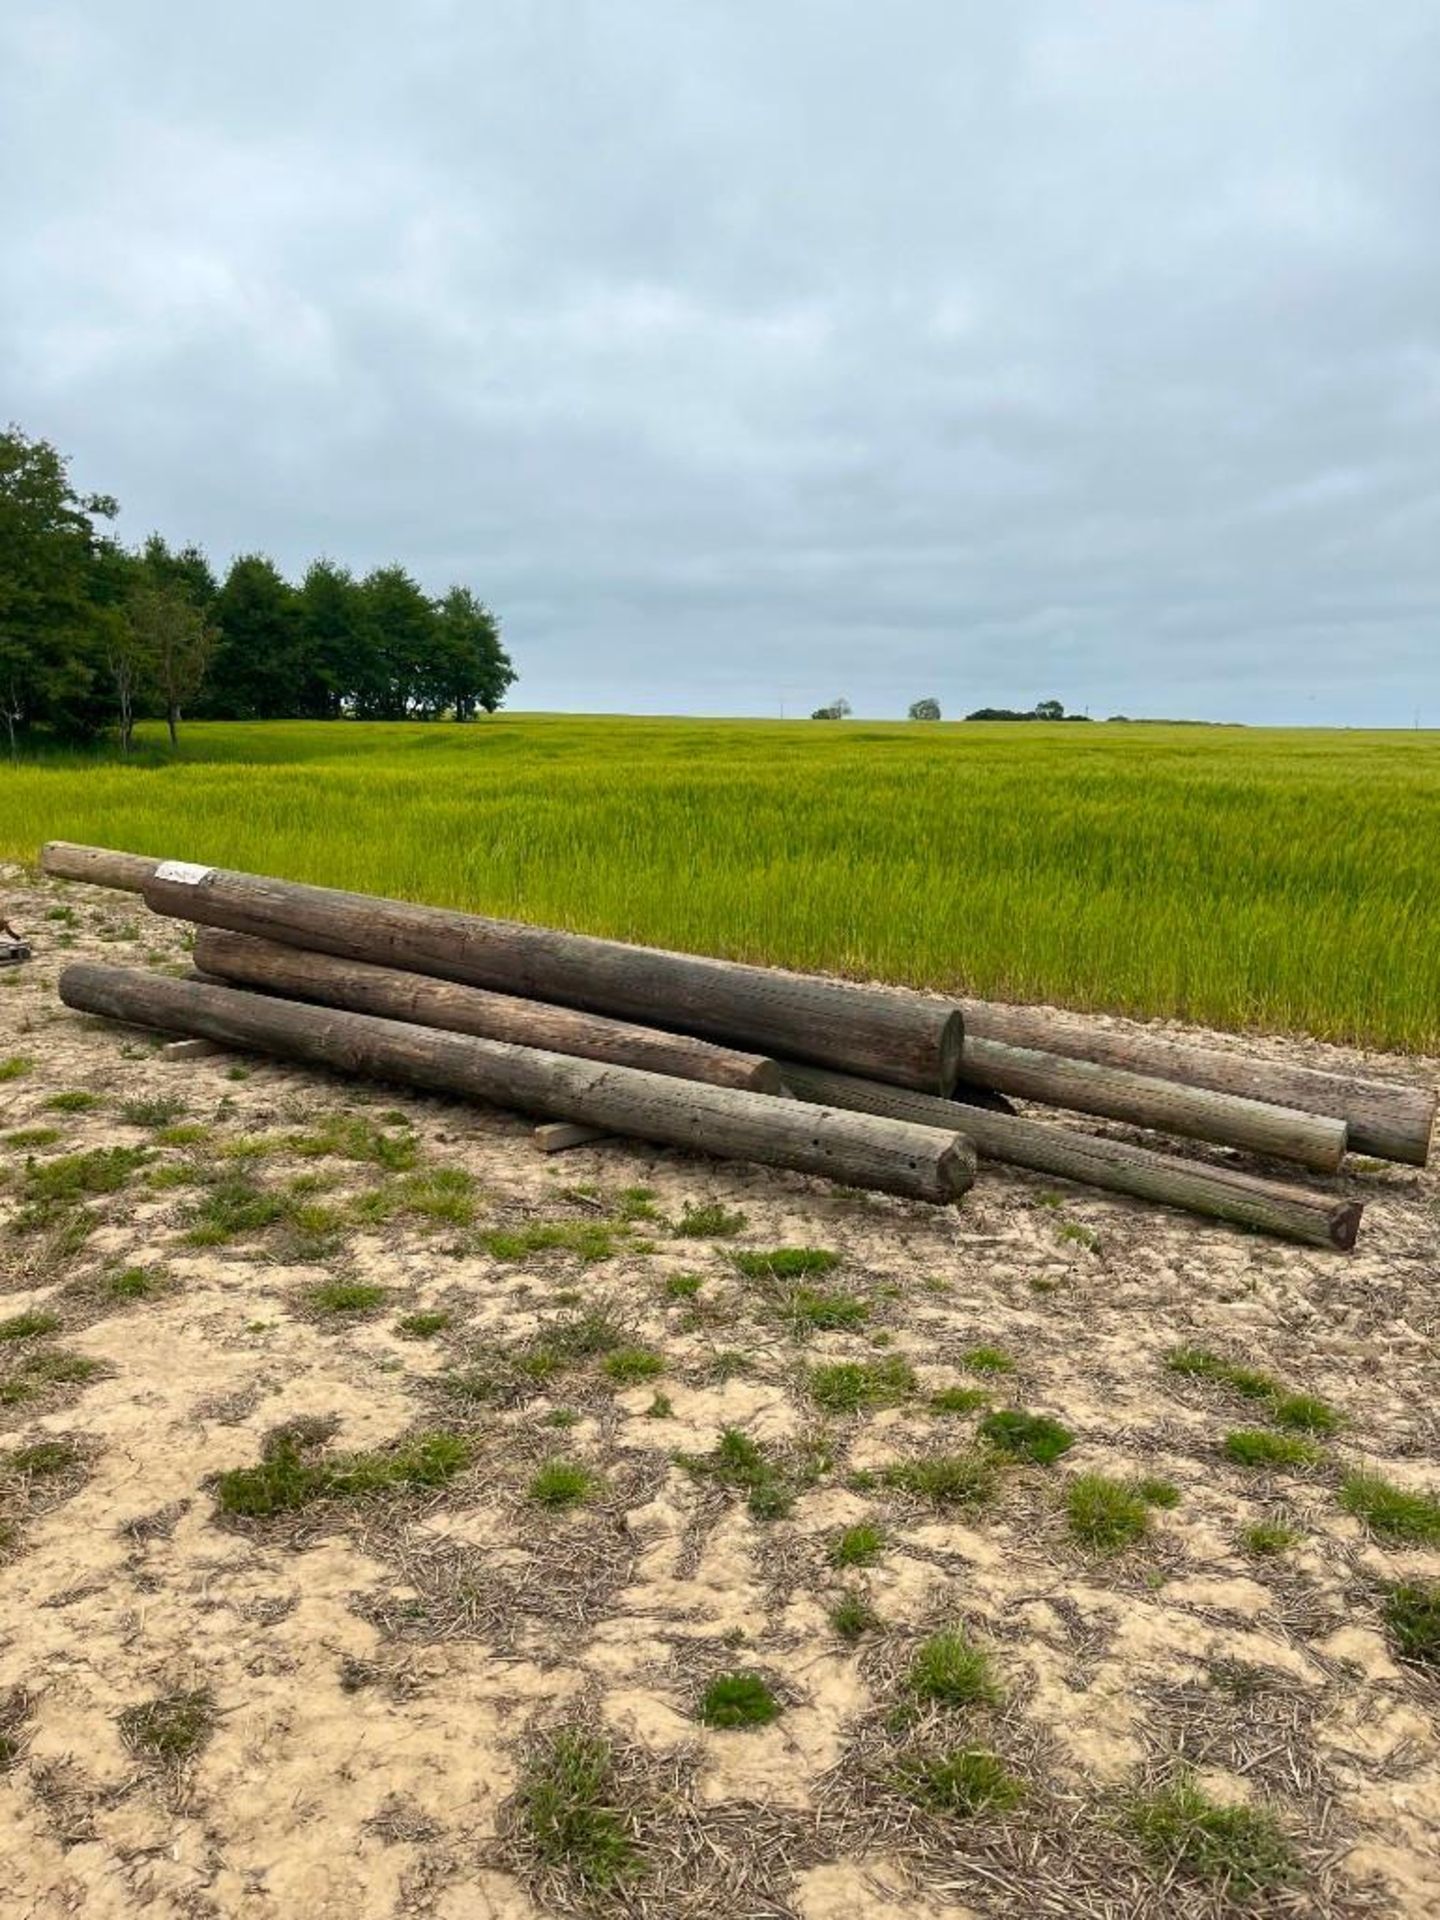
(183, 872)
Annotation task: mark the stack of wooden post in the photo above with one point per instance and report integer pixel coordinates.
(873, 1086)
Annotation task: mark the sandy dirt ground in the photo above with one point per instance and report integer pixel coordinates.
(349, 1705)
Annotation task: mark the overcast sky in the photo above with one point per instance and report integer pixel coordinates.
(743, 353)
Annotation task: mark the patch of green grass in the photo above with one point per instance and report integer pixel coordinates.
(190, 1133)
(947, 1479)
(288, 1478)
(1238, 1848)
(586, 1335)
(169, 1731)
(850, 1385)
(77, 1176)
(41, 1460)
(1258, 1447)
(589, 1240)
(729, 1364)
(683, 1286)
(1027, 1436)
(712, 1222)
(635, 1203)
(987, 1360)
(33, 1324)
(74, 1101)
(151, 1113)
(738, 1461)
(852, 1615)
(38, 1372)
(967, 1782)
(952, 1671)
(1157, 1493)
(443, 1194)
(424, 1325)
(660, 1408)
(738, 1700)
(350, 1299)
(133, 1283)
(786, 1263)
(561, 1483)
(562, 1417)
(1304, 1413)
(857, 1546)
(958, 1399)
(810, 1310)
(345, 1136)
(14, 1066)
(1105, 1514)
(230, 1208)
(1411, 1612)
(1395, 1513)
(24, 1137)
(567, 1804)
(1078, 1234)
(1266, 1538)
(629, 1366)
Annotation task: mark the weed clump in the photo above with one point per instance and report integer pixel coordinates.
(852, 1615)
(566, 1801)
(1239, 1848)
(290, 1477)
(1266, 1538)
(561, 1483)
(1105, 1514)
(629, 1366)
(850, 1385)
(1393, 1512)
(589, 1240)
(77, 1101)
(951, 1671)
(1257, 1447)
(38, 1372)
(345, 1299)
(33, 1324)
(738, 1700)
(232, 1206)
(683, 1286)
(947, 1479)
(858, 1546)
(987, 1360)
(711, 1222)
(958, 1399)
(1412, 1619)
(151, 1113)
(738, 1461)
(786, 1263)
(171, 1730)
(968, 1782)
(1027, 1436)
(423, 1326)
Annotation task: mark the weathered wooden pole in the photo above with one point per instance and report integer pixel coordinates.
(1390, 1119)
(920, 1161)
(97, 866)
(887, 1036)
(238, 959)
(1085, 1086)
(1294, 1213)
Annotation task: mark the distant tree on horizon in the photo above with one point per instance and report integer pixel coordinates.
(837, 710)
(924, 710)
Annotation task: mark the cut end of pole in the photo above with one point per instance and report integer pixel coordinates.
(1345, 1224)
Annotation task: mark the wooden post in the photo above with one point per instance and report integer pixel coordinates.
(871, 1030)
(922, 1161)
(1084, 1086)
(96, 866)
(1294, 1213)
(240, 960)
(559, 1136)
(1386, 1118)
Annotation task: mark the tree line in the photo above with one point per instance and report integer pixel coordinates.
(95, 635)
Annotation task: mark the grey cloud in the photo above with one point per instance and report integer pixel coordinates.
(746, 354)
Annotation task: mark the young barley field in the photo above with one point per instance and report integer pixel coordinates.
(1284, 881)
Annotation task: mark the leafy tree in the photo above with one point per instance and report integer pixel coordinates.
(51, 630)
(1049, 710)
(173, 643)
(469, 667)
(255, 674)
(837, 710)
(925, 710)
(188, 571)
(338, 644)
(402, 625)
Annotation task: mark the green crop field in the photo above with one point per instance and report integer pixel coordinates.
(1280, 880)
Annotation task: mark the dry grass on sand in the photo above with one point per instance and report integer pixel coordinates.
(394, 1521)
